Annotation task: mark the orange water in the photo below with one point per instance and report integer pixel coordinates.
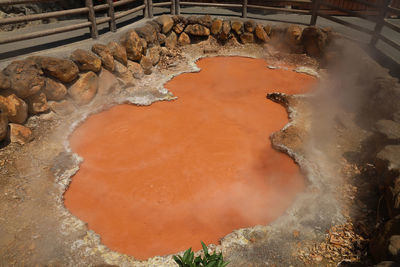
(156, 180)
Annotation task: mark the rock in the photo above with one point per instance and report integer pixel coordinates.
(118, 52)
(314, 41)
(237, 27)
(394, 247)
(85, 88)
(5, 82)
(161, 38)
(107, 82)
(197, 30)
(154, 54)
(249, 26)
(25, 77)
(178, 28)
(133, 45)
(205, 20)
(261, 34)
(233, 42)
(86, 61)
(391, 153)
(124, 74)
(179, 19)
(54, 90)
(171, 40)
(247, 38)
(155, 25)
(15, 108)
(387, 264)
(389, 128)
(146, 64)
(62, 69)
(267, 29)
(293, 38)
(135, 69)
(20, 134)
(379, 244)
(216, 27)
(166, 23)
(63, 107)
(149, 33)
(105, 55)
(184, 39)
(3, 125)
(225, 31)
(37, 103)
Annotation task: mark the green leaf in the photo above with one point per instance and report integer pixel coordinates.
(205, 249)
(225, 263)
(186, 255)
(178, 260)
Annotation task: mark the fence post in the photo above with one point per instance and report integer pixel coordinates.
(92, 18)
(314, 12)
(173, 7)
(111, 15)
(150, 5)
(244, 9)
(178, 7)
(379, 22)
(146, 9)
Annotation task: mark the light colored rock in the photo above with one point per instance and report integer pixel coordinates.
(63, 107)
(197, 30)
(178, 28)
(85, 88)
(149, 33)
(86, 61)
(20, 134)
(16, 108)
(107, 83)
(154, 54)
(135, 69)
(37, 103)
(147, 65)
(166, 23)
(62, 69)
(171, 40)
(54, 90)
(184, 39)
(237, 27)
(225, 31)
(5, 82)
(124, 74)
(261, 34)
(216, 27)
(118, 52)
(249, 26)
(133, 45)
(107, 59)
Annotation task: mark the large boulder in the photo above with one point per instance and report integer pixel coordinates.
(85, 88)
(149, 33)
(146, 64)
(166, 23)
(124, 74)
(135, 69)
(178, 28)
(62, 108)
(197, 30)
(293, 38)
(107, 83)
(204, 20)
(86, 60)
(20, 134)
(54, 90)
(25, 77)
(249, 26)
(261, 34)
(5, 82)
(216, 27)
(314, 41)
(225, 31)
(37, 103)
(171, 40)
(15, 107)
(3, 125)
(154, 54)
(184, 39)
(237, 27)
(105, 55)
(118, 52)
(62, 69)
(133, 45)
(247, 38)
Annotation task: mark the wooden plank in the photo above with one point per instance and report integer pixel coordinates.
(391, 26)
(281, 9)
(348, 11)
(394, 10)
(173, 7)
(17, 2)
(178, 7)
(389, 42)
(150, 6)
(146, 9)
(244, 9)
(380, 22)
(314, 12)
(345, 23)
(209, 4)
(119, 15)
(44, 33)
(111, 14)
(161, 4)
(92, 18)
(100, 7)
(123, 2)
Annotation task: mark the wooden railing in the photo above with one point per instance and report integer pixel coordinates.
(315, 8)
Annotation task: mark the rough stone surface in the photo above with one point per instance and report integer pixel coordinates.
(124, 74)
(293, 38)
(171, 40)
(205, 20)
(107, 82)
(20, 134)
(146, 64)
(166, 23)
(3, 125)
(85, 88)
(161, 38)
(63, 107)
(247, 38)
(261, 34)
(118, 52)
(133, 45)
(237, 27)
(37, 103)
(5, 82)
(105, 55)
(314, 41)
(25, 77)
(62, 69)
(225, 31)
(216, 27)
(154, 54)
(135, 69)
(197, 30)
(54, 90)
(149, 33)
(391, 153)
(16, 108)
(267, 29)
(184, 39)
(249, 26)
(379, 245)
(178, 28)
(86, 61)
(389, 128)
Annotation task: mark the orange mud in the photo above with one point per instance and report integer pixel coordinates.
(156, 180)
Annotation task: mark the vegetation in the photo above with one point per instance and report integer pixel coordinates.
(188, 259)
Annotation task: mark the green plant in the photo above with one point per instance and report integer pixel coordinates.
(188, 259)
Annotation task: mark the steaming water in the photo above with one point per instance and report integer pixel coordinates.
(156, 180)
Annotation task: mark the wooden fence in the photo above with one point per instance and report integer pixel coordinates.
(316, 8)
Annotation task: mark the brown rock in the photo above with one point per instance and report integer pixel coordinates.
(63, 107)
(62, 69)
(15, 108)
(178, 28)
(3, 125)
(293, 38)
(166, 23)
(161, 38)
(124, 74)
(233, 42)
(146, 64)
(5, 82)
(154, 54)
(105, 55)
(149, 33)
(226, 31)
(135, 69)
(314, 41)
(184, 39)
(261, 34)
(171, 40)
(133, 45)
(249, 26)
(197, 30)
(86, 61)
(247, 38)
(267, 29)
(54, 90)
(85, 88)
(25, 77)
(205, 20)
(20, 134)
(216, 27)
(107, 82)
(118, 52)
(37, 103)
(237, 27)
